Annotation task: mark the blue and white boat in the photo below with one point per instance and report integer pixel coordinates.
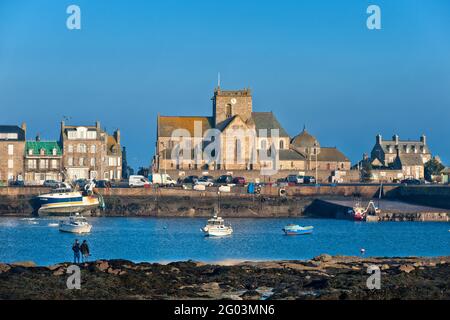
(66, 201)
(295, 229)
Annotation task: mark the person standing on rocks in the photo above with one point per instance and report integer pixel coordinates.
(84, 251)
(76, 252)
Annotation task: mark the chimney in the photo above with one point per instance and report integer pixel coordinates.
(423, 139)
(395, 139)
(97, 124)
(117, 136)
(379, 139)
(24, 128)
(38, 137)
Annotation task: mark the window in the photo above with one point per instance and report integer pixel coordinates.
(9, 136)
(82, 148)
(54, 164)
(92, 162)
(10, 149)
(70, 148)
(54, 151)
(70, 161)
(31, 164)
(228, 111)
(81, 161)
(43, 164)
(92, 135)
(10, 164)
(30, 152)
(281, 144)
(42, 152)
(93, 149)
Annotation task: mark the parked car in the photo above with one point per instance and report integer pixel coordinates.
(190, 180)
(103, 184)
(206, 181)
(224, 179)
(411, 181)
(162, 179)
(294, 178)
(309, 180)
(238, 180)
(17, 183)
(138, 181)
(51, 184)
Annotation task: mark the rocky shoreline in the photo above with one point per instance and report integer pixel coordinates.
(324, 277)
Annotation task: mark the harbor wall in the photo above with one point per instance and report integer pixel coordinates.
(176, 202)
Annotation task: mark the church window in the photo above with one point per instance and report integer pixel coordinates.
(228, 111)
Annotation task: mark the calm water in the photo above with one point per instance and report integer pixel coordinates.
(151, 239)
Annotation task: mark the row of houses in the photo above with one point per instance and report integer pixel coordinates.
(232, 111)
(82, 152)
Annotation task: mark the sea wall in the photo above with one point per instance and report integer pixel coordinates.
(176, 202)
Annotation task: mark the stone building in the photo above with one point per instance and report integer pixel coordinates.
(90, 153)
(322, 158)
(12, 145)
(263, 140)
(43, 161)
(245, 136)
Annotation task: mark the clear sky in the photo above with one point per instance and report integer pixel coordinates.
(311, 62)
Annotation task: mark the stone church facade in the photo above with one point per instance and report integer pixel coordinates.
(247, 140)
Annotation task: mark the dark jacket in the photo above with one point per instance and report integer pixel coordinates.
(76, 248)
(84, 248)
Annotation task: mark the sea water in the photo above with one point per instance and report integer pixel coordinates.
(174, 239)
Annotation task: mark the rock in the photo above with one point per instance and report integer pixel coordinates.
(323, 258)
(59, 272)
(103, 265)
(356, 268)
(54, 267)
(385, 267)
(406, 268)
(121, 273)
(113, 271)
(250, 295)
(210, 286)
(25, 264)
(4, 267)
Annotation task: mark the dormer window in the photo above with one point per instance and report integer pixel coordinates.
(54, 151)
(42, 152)
(30, 152)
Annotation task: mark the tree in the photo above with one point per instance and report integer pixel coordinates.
(143, 171)
(432, 168)
(366, 170)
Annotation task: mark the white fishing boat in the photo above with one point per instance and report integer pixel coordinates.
(65, 201)
(216, 227)
(75, 224)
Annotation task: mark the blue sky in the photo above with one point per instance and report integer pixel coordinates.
(311, 62)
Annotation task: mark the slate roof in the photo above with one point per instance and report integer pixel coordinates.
(331, 154)
(385, 144)
(410, 159)
(167, 124)
(12, 129)
(48, 146)
(267, 120)
(305, 140)
(290, 155)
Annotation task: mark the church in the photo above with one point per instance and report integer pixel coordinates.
(244, 140)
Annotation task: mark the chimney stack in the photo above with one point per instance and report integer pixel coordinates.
(117, 136)
(97, 124)
(24, 128)
(379, 139)
(38, 137)
(423, 139)
(395, 138)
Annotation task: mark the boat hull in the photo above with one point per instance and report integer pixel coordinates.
(75, 229)
(212, 232)
(83, 204)
(295, 230)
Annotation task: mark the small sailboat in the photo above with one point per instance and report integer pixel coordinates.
(75, 224)
(216, 227)
(295, 229)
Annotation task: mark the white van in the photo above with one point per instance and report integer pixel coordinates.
(138, 181)
(162, 179)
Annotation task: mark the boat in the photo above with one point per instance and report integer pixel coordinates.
(66, 201)
(216, 227)
(295, 229)
(360, 213)
(75, 224)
